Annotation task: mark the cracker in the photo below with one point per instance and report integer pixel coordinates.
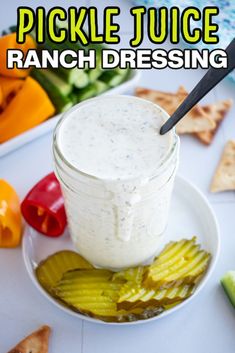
(196, 120)
(216, 111)
(37, 342)
(224, 178)
(181, 90)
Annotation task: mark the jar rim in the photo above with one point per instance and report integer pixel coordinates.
(57, 151)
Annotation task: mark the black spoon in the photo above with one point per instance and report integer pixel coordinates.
(209, 81)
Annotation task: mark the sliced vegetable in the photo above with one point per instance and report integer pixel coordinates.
(28, 108)
(85, 93)
(114, 77)
(134, 275)
(133, 294)
(77, 77)
(10, 216)
(181, 262)
(139, 297)
(9, 87)
(9, 42)
(92, 292)
(83, 80)
(94, 74)
(43, 207)
(100, 87)
(57, 89)
(51, 270)
(63, 87)
(73, 97)
(120, 296)
(73, 76)
(91, 90)
(228, 283)
(69, 75)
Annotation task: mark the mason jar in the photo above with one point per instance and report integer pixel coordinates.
(106, 230)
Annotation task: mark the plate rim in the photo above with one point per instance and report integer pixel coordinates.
(201, 285)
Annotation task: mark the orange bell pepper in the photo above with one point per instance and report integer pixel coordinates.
(9, 42)
(10, 216)
(30, 107)
(1, 96)
(8, 88)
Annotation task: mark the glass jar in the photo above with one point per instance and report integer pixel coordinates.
(107, 230)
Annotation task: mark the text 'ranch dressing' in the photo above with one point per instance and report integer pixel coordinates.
(116, 173)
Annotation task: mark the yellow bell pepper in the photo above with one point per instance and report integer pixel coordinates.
(10, 216)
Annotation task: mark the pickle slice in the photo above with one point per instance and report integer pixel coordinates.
(180, 262)
(51, 270)
(95, 293)
(89, 291)
(140, 297)
(115, 315)
(132, 274)
(170, 306)
(132, 294)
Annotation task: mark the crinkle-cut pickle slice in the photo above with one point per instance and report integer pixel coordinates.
(140, 297)
(128, 295)
(51, 270)
(89, 291)
(95, 293)
(180, 262)
(132, 274)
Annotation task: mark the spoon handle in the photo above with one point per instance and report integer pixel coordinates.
(209, 81)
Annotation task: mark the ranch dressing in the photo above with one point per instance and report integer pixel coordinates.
(115, 216)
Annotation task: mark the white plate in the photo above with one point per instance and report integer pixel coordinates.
(190, 215)
(47, 126)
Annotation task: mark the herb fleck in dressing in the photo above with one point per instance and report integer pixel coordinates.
(115, 138)
(116, 141)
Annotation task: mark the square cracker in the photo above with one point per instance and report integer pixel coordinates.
(37, 342)
(224, 178)
(196, 120)
(216, 111)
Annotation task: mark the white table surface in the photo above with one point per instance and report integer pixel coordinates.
(207, 324)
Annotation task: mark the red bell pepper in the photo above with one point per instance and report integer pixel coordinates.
(43, 207)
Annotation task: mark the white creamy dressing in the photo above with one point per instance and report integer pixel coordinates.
(116, 140)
